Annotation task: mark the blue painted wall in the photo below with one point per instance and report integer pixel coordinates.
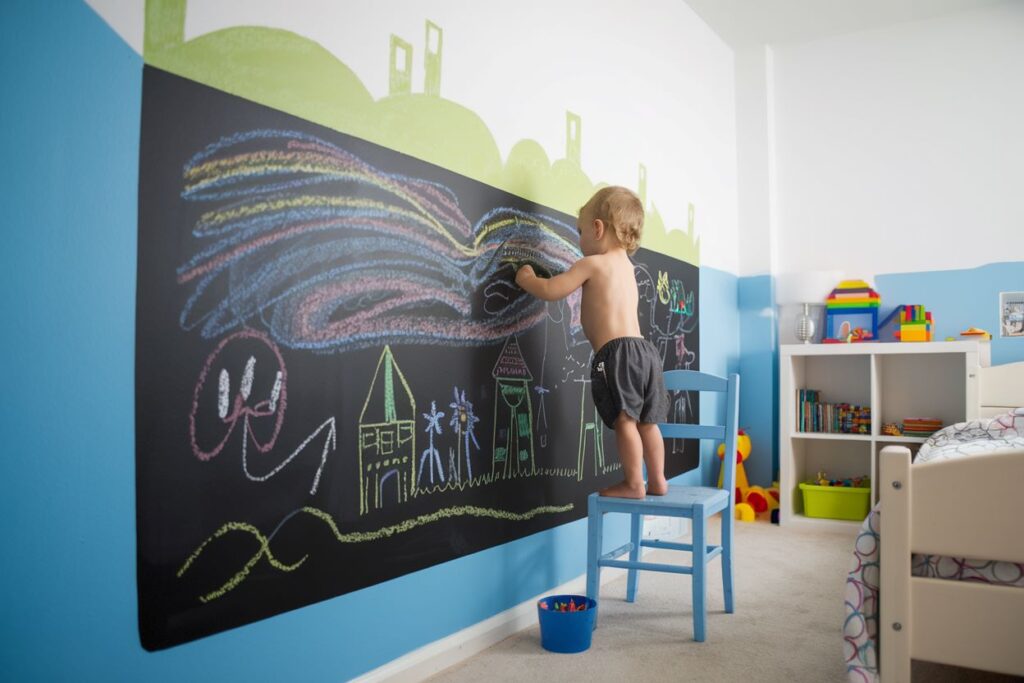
(70, 131)
(959, 299)
(759, 362)
(719, 351)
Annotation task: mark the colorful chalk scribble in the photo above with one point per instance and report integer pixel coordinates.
(287, 213)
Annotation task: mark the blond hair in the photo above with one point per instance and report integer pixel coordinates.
(622, 211)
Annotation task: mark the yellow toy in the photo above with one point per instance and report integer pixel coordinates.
(751, 501)
(976, 332)
(742, 453)
(757, 498)
(744, 513)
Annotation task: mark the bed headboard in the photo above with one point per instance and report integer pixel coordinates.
(1002, 388)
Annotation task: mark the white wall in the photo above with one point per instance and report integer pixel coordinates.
(901, 149)
(652, 83)
(755, 154)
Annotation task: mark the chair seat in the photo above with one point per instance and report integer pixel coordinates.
(681, 497)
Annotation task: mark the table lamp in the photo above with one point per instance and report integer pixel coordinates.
(805, 288)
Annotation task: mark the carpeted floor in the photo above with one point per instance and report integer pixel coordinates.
(789, 613)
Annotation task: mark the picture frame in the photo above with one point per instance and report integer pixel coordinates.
(1011, 314)
(840, 323)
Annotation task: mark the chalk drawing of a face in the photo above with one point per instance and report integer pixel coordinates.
(243, 381)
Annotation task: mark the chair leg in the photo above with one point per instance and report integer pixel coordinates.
(700, 550)
(594, 536)
(636, 531)
(727, 522)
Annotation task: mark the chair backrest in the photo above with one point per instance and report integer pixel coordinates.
(692, 380)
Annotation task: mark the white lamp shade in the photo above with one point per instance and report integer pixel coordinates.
(806, 287)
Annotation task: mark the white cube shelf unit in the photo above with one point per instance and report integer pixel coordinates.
(897, 380)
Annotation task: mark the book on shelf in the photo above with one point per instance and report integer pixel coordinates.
(815, 415)
(921, 426)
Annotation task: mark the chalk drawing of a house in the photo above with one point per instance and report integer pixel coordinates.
(513, 413)
(387, 438)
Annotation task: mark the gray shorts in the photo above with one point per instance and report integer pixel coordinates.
(626, 376)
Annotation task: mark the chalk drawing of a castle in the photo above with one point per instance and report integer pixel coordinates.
(387, 438)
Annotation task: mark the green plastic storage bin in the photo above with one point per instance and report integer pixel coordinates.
(836, 502)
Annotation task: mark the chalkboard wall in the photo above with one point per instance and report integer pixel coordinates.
(337, 380)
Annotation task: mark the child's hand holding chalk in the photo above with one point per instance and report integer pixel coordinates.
(524, 273)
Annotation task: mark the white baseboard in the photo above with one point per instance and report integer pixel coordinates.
(428, 660)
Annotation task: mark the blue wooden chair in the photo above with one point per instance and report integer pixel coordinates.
(697, 503)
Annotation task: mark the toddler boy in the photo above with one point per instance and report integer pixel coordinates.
(625, 375)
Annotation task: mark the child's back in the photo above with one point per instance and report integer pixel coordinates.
(626, 373)
(609, 306)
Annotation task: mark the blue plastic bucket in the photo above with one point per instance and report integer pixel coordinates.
(566, 631)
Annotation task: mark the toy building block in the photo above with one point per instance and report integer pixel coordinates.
(907, 324)
(851, 312)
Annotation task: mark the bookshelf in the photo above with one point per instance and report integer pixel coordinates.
(897, 380)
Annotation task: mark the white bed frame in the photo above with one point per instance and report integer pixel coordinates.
(970, 508)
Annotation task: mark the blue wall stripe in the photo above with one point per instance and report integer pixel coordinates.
(959, 299)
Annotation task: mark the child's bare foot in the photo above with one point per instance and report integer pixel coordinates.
(624, 490)
(657, 488)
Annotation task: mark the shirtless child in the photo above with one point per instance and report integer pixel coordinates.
(626, 379)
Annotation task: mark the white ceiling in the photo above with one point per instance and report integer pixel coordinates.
(742, 23)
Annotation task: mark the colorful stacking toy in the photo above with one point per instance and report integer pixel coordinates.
(907, 324)
(851, 313)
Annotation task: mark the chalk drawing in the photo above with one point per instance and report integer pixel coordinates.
(513, 413)
(287, 211)
(542, 417)
(684, 356)
(541, 424)
(264, 550)
(387, 438)
(681, 301)
(261, 420)
(682, 407)
(463, 423)
(676, 314)
(663, 287)
(590, 431)
(431, 454)
(330, 444)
